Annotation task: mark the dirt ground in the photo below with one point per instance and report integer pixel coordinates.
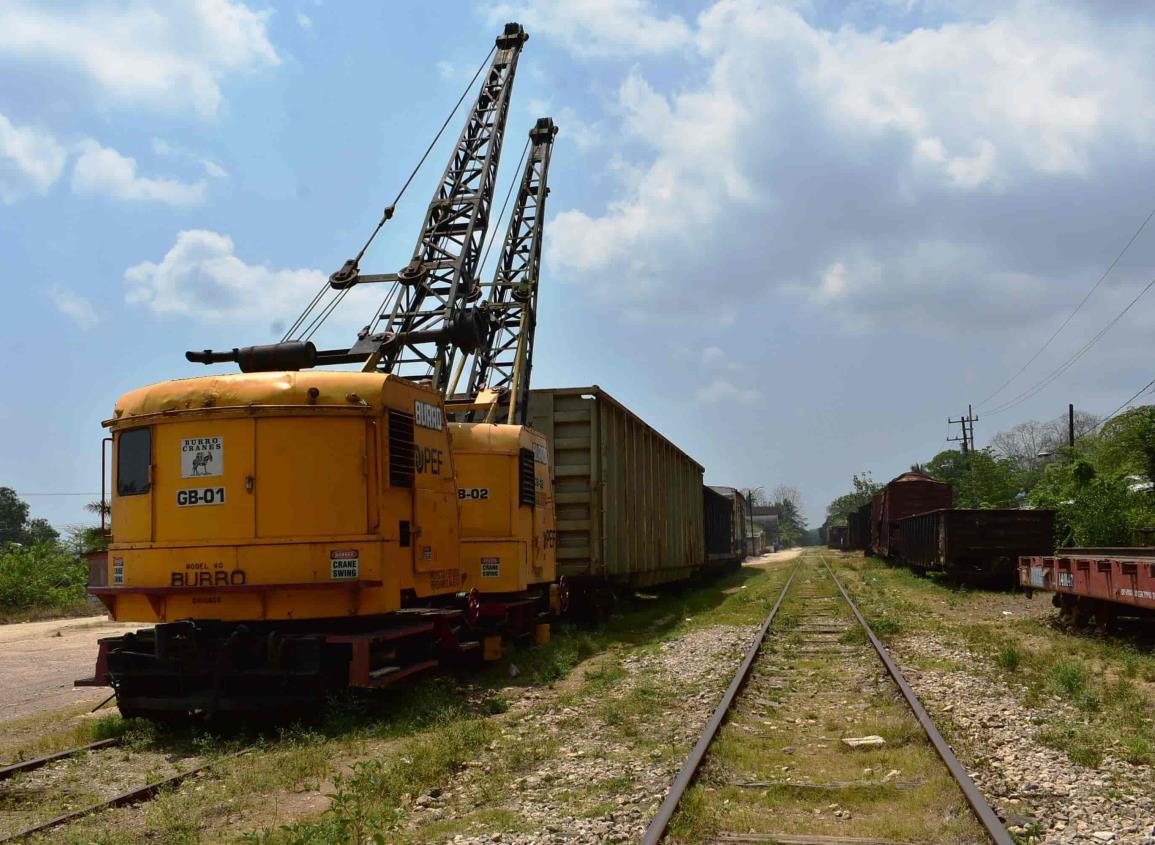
(775, 557)
(40, 660)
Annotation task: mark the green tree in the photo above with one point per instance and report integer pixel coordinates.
(864, 488)
(980, 479)
(791, 523)
(13, 516)
(1126, 444)
(39, 531)
(1091, 508)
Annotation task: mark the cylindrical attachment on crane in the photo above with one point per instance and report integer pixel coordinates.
(270, 357)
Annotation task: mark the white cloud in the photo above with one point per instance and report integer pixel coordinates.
(170, 56)
(201, 277)
(856, 164)
(101, 170)
(304, 21)
(31, 161)
(169, 150)
(721, 392)
(599, 28)
(446, 70)
(74, 306)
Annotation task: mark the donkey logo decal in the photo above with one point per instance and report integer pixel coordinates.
(201, 461)
(202, 456)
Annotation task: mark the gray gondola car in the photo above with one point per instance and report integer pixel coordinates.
(629, 502)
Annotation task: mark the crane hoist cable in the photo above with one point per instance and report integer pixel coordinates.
(427, 319)
(386, 215)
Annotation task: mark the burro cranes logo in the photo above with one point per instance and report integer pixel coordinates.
(202, 457)
(428, 416)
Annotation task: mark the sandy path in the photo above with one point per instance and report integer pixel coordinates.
(775, 557)
(40, 660)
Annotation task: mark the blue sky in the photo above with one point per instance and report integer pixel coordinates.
(795, 237)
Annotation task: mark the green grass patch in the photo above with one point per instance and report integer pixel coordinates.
(1010, 657)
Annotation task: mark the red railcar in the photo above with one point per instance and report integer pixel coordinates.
(1096, 583)
(910, 493)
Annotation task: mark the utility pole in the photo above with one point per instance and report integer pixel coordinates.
(1071, 425)
(967, 423)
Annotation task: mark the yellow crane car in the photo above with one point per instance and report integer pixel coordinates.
(289, 531)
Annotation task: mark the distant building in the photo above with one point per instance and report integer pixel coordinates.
(765, 518)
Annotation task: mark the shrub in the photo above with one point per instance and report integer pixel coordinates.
(43, 575)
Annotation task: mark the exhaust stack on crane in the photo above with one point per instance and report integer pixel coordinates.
(289, 531)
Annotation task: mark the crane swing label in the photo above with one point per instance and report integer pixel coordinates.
(491, 567)
(345, 564)
(201, 457)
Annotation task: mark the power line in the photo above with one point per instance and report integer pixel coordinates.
(1138, 393)
(1071, 316)
(1066, 365)
(25, 495)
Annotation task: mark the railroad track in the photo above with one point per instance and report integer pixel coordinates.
(135, 795)
(797, 773)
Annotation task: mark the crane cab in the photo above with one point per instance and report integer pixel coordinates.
(280, 496)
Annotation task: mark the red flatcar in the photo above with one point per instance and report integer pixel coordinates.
(1098, 584)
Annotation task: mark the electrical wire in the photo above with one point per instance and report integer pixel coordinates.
(23, 495)
(1138, 393)
(1071, 316)
(331, 306)
(1066, 365)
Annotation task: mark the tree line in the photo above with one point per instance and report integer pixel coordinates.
(40, 570)
(1101, 488)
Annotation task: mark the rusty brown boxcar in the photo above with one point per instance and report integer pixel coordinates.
(975, 546)
(906, 495)
(858, 528)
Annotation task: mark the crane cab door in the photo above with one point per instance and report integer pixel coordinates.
(435, 513)
(203, 480)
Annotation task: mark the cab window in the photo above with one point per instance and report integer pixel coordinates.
(133, 458)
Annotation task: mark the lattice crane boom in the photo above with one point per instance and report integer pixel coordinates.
(431, 318)
(504, 359)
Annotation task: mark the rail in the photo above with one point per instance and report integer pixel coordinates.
(141, 793)
(983, 812)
